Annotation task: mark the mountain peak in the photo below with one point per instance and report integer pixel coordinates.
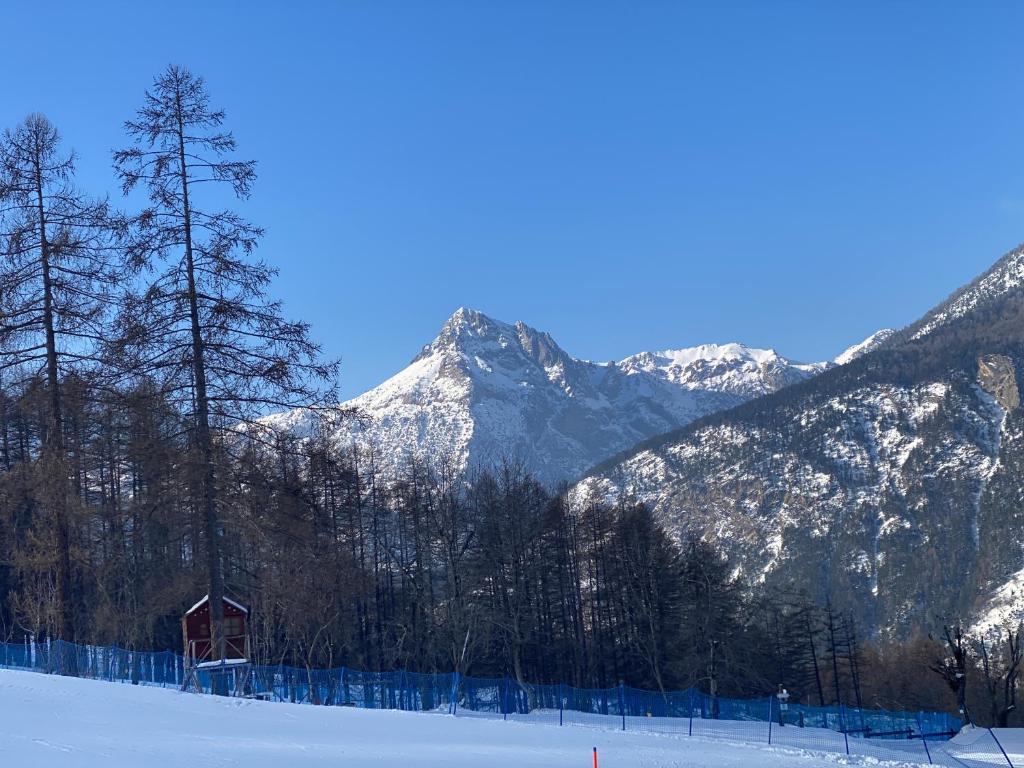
(465, 327)
(465, 318)
(485, 389)
(471, 331)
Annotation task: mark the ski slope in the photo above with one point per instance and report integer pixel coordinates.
(57, 721)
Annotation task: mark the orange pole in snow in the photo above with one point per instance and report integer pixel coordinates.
(595, 757)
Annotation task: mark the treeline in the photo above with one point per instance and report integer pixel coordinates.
(146, 332)
(140, 352)
(429, 571)
(489, 575)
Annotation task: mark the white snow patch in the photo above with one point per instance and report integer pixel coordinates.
(1005, 607)
(863, 347)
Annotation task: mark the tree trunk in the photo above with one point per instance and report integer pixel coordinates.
(835, 654)
(814, 661)
(204, 440)
(53, 444)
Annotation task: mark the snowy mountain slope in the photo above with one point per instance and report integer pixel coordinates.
(850, 496)
(872, 342)
(890, 484)
(1004, 276)
(1005, 607)
(485, 390)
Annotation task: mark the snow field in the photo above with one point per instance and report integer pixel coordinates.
(58, 721)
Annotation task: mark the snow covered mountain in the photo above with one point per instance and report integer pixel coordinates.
(485, 390)
(891, 484)
(731, 368)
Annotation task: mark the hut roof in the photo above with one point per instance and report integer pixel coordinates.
(206, 599)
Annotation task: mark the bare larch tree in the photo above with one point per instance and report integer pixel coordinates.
(57, 277)
(204, 323)
(953, 665)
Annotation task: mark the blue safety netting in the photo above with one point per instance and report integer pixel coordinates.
(883, 734)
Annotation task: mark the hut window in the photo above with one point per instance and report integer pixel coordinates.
(232, 626)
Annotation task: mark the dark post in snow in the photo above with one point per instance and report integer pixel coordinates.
(783, 697)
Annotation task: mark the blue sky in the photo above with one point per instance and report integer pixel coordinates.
(627, 176)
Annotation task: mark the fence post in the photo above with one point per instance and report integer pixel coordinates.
(920, 727)
(1005, 756)
(561, 703)
(504, 699)
(453, 706)
(770, 697)
(842, 725)
(691, 712)
(622, 702)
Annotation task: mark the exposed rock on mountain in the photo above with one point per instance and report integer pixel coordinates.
(998, 376)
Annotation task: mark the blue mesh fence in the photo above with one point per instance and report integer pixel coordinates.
(921, 737)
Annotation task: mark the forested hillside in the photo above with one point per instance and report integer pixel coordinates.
(890, 486)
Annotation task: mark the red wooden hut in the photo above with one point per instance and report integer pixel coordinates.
(195, 628)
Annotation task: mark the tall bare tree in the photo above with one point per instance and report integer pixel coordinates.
(1001, 655)
(56, 279)
(952, 666)
(204, 322)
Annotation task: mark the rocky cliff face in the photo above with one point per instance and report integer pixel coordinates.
(892, 484)
(997, 375)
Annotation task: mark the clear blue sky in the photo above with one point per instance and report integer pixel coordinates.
(628, 176)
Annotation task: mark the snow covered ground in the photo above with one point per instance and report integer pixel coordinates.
(57, 721)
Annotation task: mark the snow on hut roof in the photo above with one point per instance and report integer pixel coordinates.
(227, 600)
(221, 663)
